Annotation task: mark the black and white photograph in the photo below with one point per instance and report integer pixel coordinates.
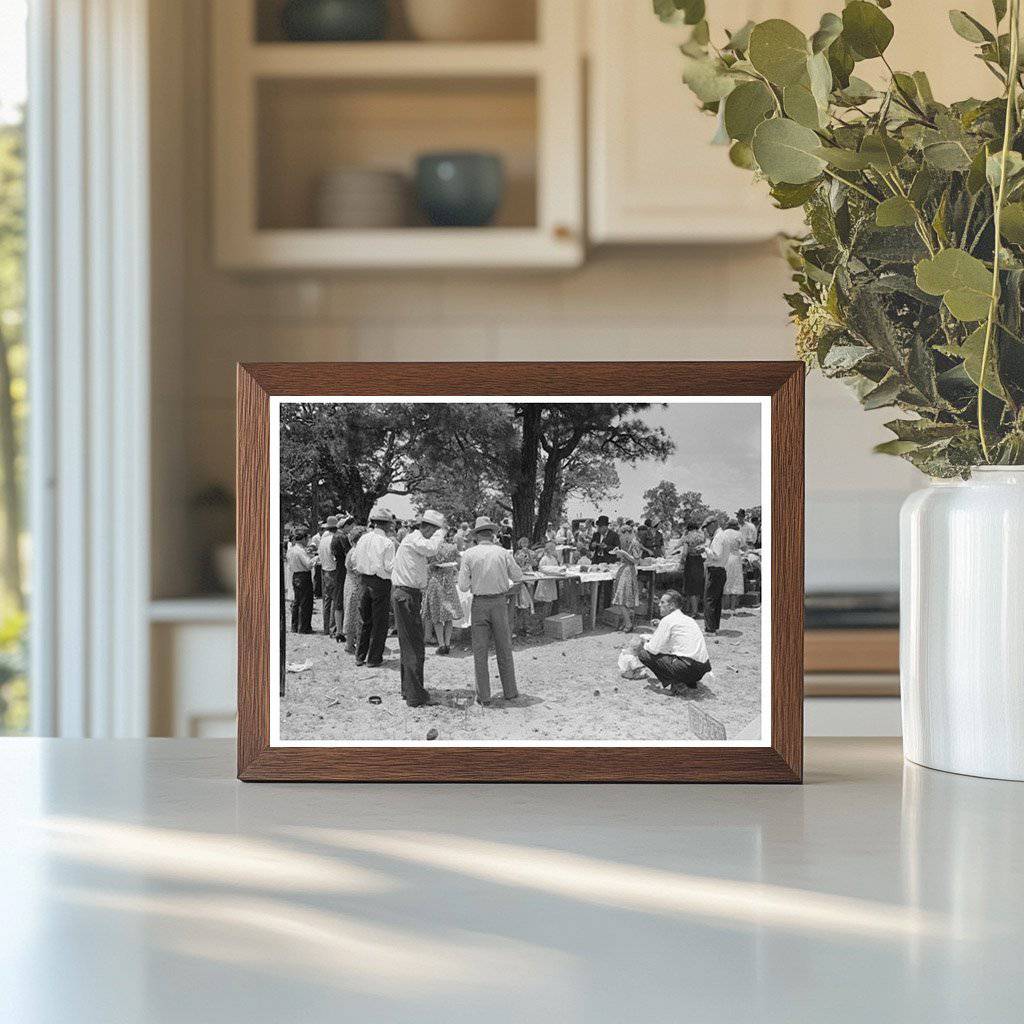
(521, 571)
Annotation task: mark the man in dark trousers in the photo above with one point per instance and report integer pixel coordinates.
(374, 557)
(676, 653)
(715, 560)
(300, 566)
(408, 581)
(602, 544)
(340, 547)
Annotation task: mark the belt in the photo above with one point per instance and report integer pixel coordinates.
(402, 586)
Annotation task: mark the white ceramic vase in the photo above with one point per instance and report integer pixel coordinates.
(962, 624)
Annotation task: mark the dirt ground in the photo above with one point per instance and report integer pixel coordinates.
(569, 690)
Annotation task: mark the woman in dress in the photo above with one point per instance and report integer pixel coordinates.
(441, 604)
(352, 594)
(691, 552)
(524, 593)
(732, 542)
(626, 590)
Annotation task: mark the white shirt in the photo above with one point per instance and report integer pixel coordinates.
(410, 567)
(724, 544)
(375, 554)
(327, 560)
(488, 569)
(297, 559)
(678, 634)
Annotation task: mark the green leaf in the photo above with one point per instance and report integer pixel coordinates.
(947, 156)
(857, 91)
(895, 212)
(788, 197)
(969, 28)
(841, 63)
(922, 185)
(895, 447)
(885, 394)
(689, 12)
(971, 351)
(844, 159)
(739, 41)
(801, 106)
(819, 74)
(829, 30)
(999, 9)
(787, 152)
(976, 173)
(963, 281)
(1012, 223)
(779, 51)
(745, 108)
(924, 88)
(866, 29)
(707, 78)
(993, 167)
(741, 155)
(882, 151)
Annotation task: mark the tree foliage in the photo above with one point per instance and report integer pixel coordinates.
(464, 459)
(902, 291)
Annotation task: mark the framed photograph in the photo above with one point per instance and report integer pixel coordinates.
(578, 572)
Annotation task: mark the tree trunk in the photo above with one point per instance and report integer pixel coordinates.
(524, 474)
(11, 566)
(548, 494)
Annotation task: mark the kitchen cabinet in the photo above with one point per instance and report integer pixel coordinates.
(653, 175)
(288, 114)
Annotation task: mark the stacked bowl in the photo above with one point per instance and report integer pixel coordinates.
(362, 197)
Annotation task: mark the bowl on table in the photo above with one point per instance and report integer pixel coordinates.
(334, 21)
(470, 20)
(460, 189)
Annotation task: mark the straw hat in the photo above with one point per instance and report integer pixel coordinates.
(432, 518)
(483, 523)
(381, 515)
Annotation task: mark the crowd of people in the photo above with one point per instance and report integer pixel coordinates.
(416, 579)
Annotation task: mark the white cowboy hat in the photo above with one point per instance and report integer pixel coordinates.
(483, 523)
(432, 518)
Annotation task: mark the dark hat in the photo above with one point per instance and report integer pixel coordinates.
(602, 520)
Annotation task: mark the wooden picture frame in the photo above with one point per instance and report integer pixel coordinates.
(779, 759)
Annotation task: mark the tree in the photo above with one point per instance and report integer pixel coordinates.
(12, 349)
(662, 502)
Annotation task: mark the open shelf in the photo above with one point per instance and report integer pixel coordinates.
(287, 114)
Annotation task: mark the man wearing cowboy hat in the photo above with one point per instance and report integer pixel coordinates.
(374, 558)
(489, 571)
(408, 581)
(329, 567)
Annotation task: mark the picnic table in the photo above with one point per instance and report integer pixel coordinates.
(663, 568)
(589, 579)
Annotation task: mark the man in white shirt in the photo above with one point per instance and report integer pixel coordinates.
(716, 558)
(374, 558)
(676, 652)
(489, 571)
(300, 565)
(329, 567)
(408, 581)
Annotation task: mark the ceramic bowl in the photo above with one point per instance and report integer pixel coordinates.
(333, 21)
(460, 189)
(470, 20)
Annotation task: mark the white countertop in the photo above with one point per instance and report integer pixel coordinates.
(140, 882)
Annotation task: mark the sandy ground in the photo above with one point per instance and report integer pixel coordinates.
(557, 683)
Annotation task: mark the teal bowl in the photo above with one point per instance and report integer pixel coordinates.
(460, 190)
(334, 21)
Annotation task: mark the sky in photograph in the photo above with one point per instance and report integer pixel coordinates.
(718, 452)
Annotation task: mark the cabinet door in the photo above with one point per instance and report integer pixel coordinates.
(654, 177)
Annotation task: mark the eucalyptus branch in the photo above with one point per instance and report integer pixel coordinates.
(1011, 109)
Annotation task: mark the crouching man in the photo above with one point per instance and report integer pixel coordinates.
(676, 652)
